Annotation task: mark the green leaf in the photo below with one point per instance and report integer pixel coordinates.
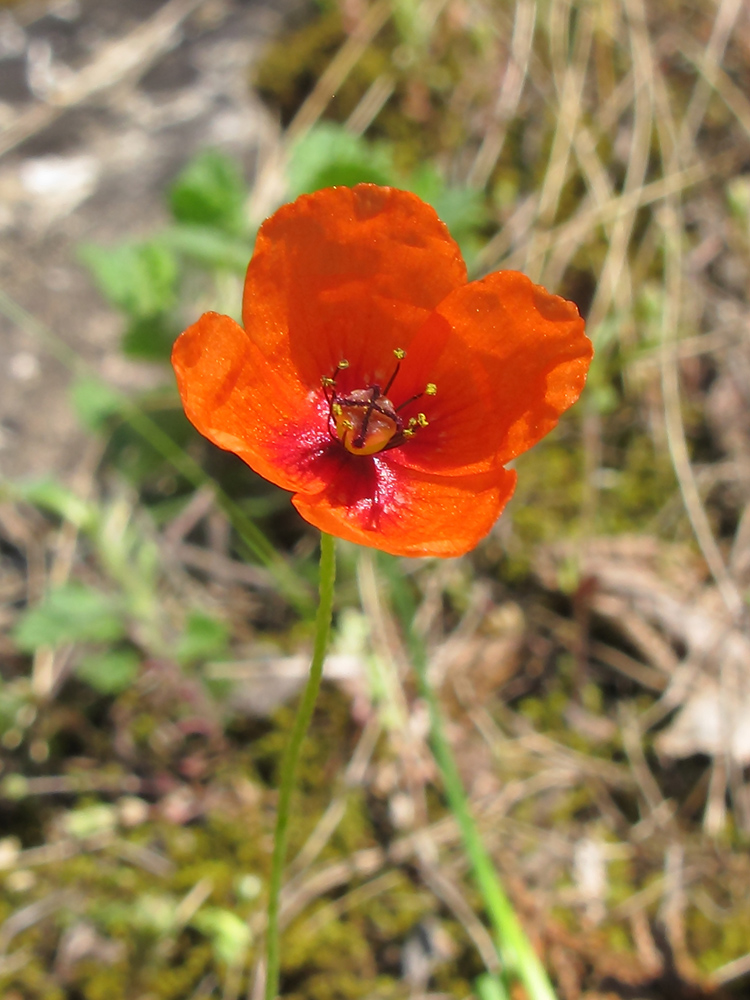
(210, 191)
(149, 338)
(229, 934)
(329, 155)
(737, 193)
(94, 402)
(209, 247)
(154, 913)
(14, 786)
(57, 499)
(462, 209)
(88, 821)
(109, 672)
(71, 613)
(204, 638)
(15, 697)
(139, 278)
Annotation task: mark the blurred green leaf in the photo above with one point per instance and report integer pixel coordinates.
(204, 638)
(462, 209)
(150, 338)
(209, 247)
(328, 155)
(52, 496)
(229, 934)
(737, 192)
(111, 671)
(90, 820)
(210, 191)
(71, 613)
(14, 786)
(248, 886)
(15, 696)
(139, 278)
(411, 24)
(94, 402)
(154, 913)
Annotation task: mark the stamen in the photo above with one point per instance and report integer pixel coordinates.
(430, 389)
(408, 401)
(408, 432)
(329, 383)
(399, 354)
(422, 420)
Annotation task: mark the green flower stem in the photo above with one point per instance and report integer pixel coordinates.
(291, 757)
(514, 948)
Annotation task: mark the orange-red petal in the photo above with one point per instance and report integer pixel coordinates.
(238, 399)
(407, 513)
(507, 359)
(347, 273)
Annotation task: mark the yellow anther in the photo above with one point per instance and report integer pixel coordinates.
(408, 432)
(336, 409)
(430, 389)
(349, 424)
(412, 422)
(399, 353)
(343, 364)
(422, 420)
(328, 382)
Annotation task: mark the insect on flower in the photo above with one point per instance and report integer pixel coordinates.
(374, 381)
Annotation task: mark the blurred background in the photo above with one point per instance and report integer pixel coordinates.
(156, 597)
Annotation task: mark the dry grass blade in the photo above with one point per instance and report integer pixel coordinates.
(676, 436)
(339, 68)
(730, 971)
(508, 99)
(569, 76)
(723, 26)
(30, 915)
(452, 897)
(353, 777)
(613, 284)
(371, 104)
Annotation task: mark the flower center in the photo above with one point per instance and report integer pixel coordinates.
(365, 421)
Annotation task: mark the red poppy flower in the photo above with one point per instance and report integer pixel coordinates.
(373, 381)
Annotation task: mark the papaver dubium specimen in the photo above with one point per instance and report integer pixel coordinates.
(371, 379)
